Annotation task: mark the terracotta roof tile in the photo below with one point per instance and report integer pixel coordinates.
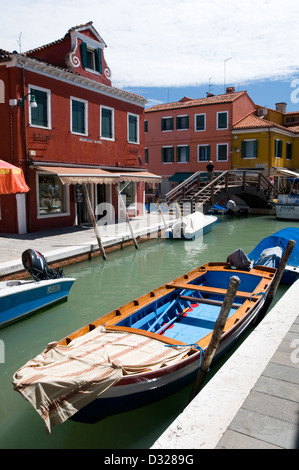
(188, 102)
(252, 121)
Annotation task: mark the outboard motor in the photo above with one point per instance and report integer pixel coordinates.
(36, 265)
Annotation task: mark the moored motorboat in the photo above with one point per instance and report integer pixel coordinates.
(191, 226)
(144, 350)
(21, 298)
(268, 252)
(287, 207)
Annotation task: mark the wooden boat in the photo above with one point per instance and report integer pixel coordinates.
(22, 298)
(144, 350)
(268, 252)
(191, 226)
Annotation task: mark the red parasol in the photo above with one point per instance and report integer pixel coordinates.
(11, 179)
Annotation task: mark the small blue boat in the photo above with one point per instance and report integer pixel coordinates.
(269, 251)
(21, 298)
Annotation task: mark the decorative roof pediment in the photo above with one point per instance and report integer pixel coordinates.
(89, 34)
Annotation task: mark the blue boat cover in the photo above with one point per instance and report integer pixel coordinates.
(279, 239)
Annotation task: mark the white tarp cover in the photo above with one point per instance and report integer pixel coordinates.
(63, 379)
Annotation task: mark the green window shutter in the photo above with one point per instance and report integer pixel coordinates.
(162, 125)
(243, 149)
(187, 153)
(177, 154)
(255, 148)
(208, 152)
(162, 155)
(106, 130)
(171, 123)
(280, 148)
(78, 117)
(84, 54)
(187, 122)
(98, 60)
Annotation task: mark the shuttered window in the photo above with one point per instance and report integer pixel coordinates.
(91, 58)
(222, 120)
(107, 123)
(167, 154)
(79, 116)
(289, 151)
(278, 148)
(39, 115)
(133, 129)
(249, 148)
(167, 123)
(200, 122)
(182, 154)
(203, 154)
(182, 122)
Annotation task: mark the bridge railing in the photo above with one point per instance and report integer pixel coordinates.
(229, 178)
(183, 189)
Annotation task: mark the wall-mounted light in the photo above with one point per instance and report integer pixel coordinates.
(32, 102)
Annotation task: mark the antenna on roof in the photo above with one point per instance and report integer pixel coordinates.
(19, 41)
(210, 85)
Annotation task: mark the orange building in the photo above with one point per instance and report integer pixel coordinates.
(182, 137)
(60, 115)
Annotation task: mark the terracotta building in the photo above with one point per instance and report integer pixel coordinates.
(182, 137)
(64, 124)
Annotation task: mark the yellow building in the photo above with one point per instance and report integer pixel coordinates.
(266, 139)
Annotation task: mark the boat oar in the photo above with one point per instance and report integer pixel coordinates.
(216, 336)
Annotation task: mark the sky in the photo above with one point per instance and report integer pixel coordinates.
(167, 49)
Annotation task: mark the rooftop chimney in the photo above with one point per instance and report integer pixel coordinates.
(230, 89)
(281, 107)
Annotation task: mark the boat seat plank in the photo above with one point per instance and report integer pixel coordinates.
(208, 290)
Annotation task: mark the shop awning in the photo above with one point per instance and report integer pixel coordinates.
(285, 172)
(179, 177)
(74, 175)
(139, 176)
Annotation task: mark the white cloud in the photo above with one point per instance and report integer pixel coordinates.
(169, 42)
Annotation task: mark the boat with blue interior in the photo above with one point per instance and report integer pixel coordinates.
(143, 351)
(20, 298)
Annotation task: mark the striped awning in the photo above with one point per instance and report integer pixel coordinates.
(75, 175)
(79, 175)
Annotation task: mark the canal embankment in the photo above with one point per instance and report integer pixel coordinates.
(72, 244)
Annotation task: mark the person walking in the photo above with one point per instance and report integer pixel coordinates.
(210, 170)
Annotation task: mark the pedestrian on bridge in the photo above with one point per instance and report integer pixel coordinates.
(210, 171)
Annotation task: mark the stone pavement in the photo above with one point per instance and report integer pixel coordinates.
(70, 242)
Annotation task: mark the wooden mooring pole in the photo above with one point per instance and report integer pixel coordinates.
(93, 220)
(216, 336)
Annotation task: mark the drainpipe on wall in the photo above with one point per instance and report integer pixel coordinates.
(28, 218)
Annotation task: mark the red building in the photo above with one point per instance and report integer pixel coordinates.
(182, 137)
(62, 121)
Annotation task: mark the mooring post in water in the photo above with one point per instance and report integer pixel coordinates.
(93, 220)
(277, 278)
(127, 217)
(217, 333)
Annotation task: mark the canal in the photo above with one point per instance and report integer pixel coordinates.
(100, 287)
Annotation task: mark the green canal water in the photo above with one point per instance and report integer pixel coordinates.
(100, 287)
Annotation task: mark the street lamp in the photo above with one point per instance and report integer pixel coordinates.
(32, 102)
